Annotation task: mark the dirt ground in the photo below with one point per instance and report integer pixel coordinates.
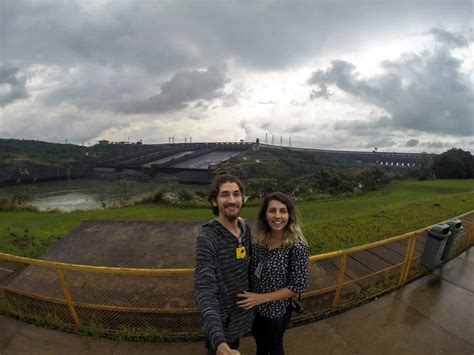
(126, 244)
(129, 244)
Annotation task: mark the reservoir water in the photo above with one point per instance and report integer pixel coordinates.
(86, 194)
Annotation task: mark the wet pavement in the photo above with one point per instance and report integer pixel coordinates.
(433, 315)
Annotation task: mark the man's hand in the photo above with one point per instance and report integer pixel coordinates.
(224, 349)
(250, 299)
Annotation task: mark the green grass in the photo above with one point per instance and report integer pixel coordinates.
(392, 196)
(365, 227)
(393, 210)
(329, 224)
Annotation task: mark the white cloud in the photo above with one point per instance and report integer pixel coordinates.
(425, 91)
(113, 69)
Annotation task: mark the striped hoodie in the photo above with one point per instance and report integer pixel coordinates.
(218, 278)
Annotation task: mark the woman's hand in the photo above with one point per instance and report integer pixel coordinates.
(251, 299)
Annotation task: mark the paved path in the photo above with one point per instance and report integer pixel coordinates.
(433, 315)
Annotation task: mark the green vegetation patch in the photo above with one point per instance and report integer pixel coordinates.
(330, 224)
(343, 231)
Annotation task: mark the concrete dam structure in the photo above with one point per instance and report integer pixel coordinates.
(195, 162)
(188, 162)
(377, 158)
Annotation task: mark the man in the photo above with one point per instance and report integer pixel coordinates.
(222, 261)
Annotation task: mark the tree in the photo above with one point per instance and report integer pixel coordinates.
(371, 177)
(454, 164)
(185, 196)
(259, 187)
(425, 167)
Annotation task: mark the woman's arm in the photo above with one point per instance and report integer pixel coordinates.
(252, 299)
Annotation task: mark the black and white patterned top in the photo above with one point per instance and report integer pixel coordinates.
(269, 273)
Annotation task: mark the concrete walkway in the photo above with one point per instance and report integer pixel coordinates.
(433, 315)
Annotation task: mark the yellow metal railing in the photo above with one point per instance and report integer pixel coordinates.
(158, 303)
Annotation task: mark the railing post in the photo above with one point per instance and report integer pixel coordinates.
(340, 280)
(67, 296)
(408, 258)
(471, 235)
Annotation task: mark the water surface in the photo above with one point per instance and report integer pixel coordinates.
(87, 194)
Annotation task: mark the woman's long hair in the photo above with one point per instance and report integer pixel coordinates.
(292, 231)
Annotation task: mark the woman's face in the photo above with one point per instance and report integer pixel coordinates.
(277, 215)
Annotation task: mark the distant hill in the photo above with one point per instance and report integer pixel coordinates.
(32, 160)
(299, 172)
(283, 163)
(38, 152)
(20, 151)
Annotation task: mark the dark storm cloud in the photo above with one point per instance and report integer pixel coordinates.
(424, 91)
(92, 86)
(266, 125)
(447, 38)
(201, 105)
(75, 126)
(97, 54)
(12, 85)
(362, 127)
(230, 99)
(164, 37)
(412, 143)
(68, 33)
(183, 88)
(384, 142)
(299, 128)
(321, 93)
(344, 75)
(437, 145)
(272, 127)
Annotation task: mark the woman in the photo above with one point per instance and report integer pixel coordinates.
(277, 237)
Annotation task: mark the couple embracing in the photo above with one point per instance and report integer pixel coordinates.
(243, 282)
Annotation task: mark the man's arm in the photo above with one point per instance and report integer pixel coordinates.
(206, 288)
(224, 349)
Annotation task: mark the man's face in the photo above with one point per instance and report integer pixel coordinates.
(229, 201)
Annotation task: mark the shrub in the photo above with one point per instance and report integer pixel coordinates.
(7, 204)
(185, 196)
(25, 195)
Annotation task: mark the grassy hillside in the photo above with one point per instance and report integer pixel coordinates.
(16, 151)
(329, 225)
(20, 151)
(282, 163)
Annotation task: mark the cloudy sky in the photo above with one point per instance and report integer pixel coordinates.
(334, 74)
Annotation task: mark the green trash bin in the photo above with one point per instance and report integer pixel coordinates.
(435, 242)
(455, 226)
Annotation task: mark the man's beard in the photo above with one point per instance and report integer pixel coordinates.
(231, 218)
(234, 216)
